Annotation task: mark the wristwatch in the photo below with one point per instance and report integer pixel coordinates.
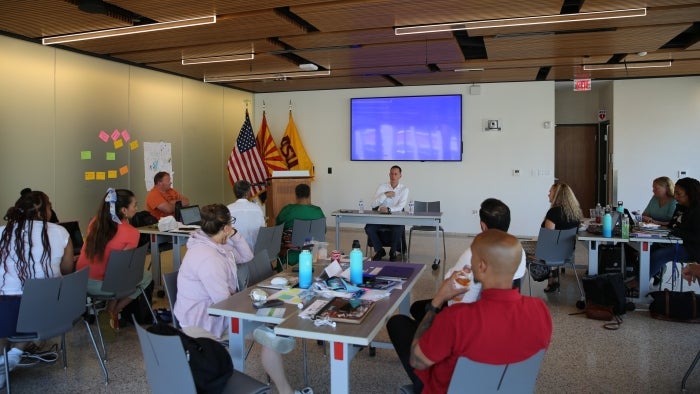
(429, 307)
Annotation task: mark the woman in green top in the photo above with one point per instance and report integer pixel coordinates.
(662, 205)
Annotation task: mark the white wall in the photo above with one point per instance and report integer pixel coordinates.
(323, 120)
(657, 132)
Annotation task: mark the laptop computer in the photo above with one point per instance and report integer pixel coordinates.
(76, 236)
(191, 215)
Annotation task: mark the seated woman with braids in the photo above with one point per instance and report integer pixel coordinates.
(110, 230)
(30, 247)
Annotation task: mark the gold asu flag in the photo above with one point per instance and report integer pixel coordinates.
(293, 149)
(269, 152)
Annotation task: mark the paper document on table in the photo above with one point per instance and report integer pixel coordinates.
(289, 296)
(333, 269)
(312, 310)
(271, 312)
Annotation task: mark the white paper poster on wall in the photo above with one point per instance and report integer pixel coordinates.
(157, 156)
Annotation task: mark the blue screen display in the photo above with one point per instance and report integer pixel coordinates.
(407, 128)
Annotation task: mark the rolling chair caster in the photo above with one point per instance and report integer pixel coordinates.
(436, 264)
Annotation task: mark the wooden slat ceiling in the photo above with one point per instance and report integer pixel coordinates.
(355, 40)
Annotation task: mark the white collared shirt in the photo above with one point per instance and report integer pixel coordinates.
(396, 203)
(249, 219)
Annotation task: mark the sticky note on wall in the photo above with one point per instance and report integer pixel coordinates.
(123, 170)
(111, 174)
(111, 156)
(89, 175)
(85, 155)
(100, 175)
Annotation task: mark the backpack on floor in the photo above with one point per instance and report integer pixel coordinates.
(605, 298)
(209, 360)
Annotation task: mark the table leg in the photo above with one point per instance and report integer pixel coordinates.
(341, 354)
(644, 261)
(178, 243)
(236, 341)
(337, 232)
(155, 263)
(436, 262)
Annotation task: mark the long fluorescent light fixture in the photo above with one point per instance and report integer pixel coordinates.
(277, 76)
(459, 70)
(524, 21)
(626, 66)
(121, 31)
(218, 59)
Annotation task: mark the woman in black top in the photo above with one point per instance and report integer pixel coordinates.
(563, 214)
(685, 224)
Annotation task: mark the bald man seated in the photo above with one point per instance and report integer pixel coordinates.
(502, 327)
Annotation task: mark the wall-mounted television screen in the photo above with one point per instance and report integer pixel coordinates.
(406, 128)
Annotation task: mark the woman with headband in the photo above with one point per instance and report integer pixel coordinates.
(110, 230)
(30, 247)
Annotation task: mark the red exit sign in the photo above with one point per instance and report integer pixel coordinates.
(581, 85)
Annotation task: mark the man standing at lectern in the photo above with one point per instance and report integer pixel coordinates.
(390, 197)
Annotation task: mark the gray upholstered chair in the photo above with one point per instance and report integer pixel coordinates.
(431, 206)
(50, 307)
(168, 372)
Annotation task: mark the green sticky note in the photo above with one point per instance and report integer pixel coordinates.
(85, 155)
(111, 156)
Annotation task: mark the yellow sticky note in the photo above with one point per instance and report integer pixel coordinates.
(111, 174)
(123, 170)
(89, 175)
(111, 156)
(118, 143)
(100, 175)
(85, 155)
(134, 144)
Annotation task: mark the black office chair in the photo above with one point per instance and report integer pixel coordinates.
(385, 237)
(306, 229)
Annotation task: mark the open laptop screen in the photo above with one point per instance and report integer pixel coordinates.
(191, 215)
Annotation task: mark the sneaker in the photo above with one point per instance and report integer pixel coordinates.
(392, 256)
(305, 390)
(265, 336)
(13, 358)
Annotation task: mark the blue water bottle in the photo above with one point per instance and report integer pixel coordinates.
(356, 263)
(607, 226)
(305, 269)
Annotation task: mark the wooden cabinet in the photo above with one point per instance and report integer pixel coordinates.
(280, 192)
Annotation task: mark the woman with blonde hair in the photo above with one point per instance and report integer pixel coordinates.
(564, 213)
(662, 204)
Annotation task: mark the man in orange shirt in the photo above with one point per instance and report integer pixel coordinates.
(161, 200)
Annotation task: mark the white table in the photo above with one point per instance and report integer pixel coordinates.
(431, 219)
(644, 246)
(178, 239)
(342, 338)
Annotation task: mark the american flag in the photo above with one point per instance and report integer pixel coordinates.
(245, 162)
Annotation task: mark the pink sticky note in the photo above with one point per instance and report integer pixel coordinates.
(103, 136)
(126, 136)
(115, 135)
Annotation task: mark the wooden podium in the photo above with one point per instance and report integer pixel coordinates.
(280, 192)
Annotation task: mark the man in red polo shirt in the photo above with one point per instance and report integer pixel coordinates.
(161, 200)
(502, 327)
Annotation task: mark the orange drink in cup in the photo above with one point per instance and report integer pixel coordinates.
(461, 281)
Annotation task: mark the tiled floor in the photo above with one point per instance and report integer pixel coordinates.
(643, 356)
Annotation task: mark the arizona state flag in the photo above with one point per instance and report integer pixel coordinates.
(271, 156)
(293, 149)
